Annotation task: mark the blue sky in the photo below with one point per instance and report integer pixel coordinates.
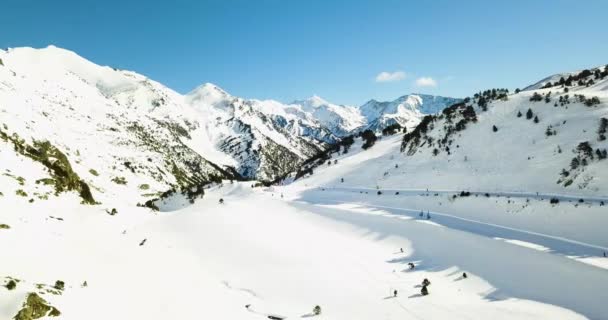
(287, 50)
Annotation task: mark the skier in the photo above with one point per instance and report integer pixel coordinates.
(464, 275)
(428, 216)
(281, 196)
(221, 200)
(402, 252)
(395, 293)
(411, 265)
(426, 282)
(604, 254)
(342, 180)
(421, 214)
(424, 291)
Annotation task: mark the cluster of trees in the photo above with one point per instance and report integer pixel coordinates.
(536, 97)
(484, 97)
(563, 100)
(392, 129)
(590, 102)
(539, 97)
(413, 137)
(583, 78)
(370, 139)
(550, 131)
(585, 154)
(529, 115)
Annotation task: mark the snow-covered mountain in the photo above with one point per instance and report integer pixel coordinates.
(126, 127)
(406, 111)
(341, 120)
(263, 139)
(122, 124)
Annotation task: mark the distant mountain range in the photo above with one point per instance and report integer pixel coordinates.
(124, 124)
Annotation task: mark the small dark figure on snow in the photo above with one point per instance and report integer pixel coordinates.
(421, 214)
(142, 242)
(221, 200)
(411, 265)
(342, 180)
(464, 275)
(395, 293)
(604, 254)
(424, 291)
(402, 251)
(426, 282)
(428, 216)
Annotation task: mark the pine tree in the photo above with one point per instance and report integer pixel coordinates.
(519, 114)
(535, 119)
(529, 114)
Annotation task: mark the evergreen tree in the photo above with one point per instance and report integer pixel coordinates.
(536, 97)
(529, 114)
(494, 128)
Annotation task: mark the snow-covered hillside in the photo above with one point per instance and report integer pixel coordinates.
(551, 140)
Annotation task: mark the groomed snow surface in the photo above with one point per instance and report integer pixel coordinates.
(283, 250)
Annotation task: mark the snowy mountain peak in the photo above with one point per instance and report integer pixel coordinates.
(311, 103)
(207, 93)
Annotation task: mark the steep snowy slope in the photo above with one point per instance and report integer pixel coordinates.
(106, 131)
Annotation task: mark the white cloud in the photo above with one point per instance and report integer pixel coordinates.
(390, 76)
(426, 82)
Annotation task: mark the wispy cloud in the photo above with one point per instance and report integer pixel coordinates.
(426, 82)
(390, 76)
